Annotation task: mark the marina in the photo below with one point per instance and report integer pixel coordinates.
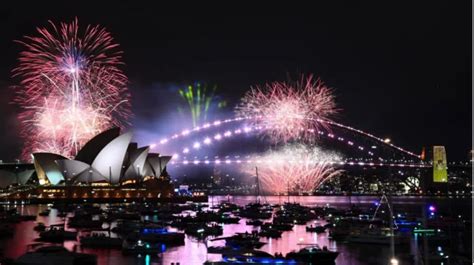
(151, 239)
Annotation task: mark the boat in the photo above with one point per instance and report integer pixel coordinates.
(214, 217)
(254, 222)
(294, 213)
(141, 247)
(54, 234)
(376, 236)
(339, 233)
(256, 211)
(278, 226)
(446, 223)
(55, 255)
(227, 219)
(317, 229)
(226, 207)
(40, 227)
(62, 214)
(221, 249)
(245, 240)
(179, 223)
(96, 240)
(435, 237)
(88, 209)
(127, 226)
(252, 257)
(300, 222)
(242, 240)
(77, 222)
(157, 235)
(314, 255)
(203, 230)
(125, 216)
(407, 222)
(329, 225)
(270, 233)
(45, 212)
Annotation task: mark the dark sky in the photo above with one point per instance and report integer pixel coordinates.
(400, 70)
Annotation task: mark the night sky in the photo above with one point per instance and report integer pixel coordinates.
(400, 70)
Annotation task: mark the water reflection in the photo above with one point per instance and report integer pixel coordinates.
(195, 251)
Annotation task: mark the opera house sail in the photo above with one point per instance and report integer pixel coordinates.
(108, 166)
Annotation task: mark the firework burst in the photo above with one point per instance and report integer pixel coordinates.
(289, 110)
(71, 87)
(295, 168)
(199, 99)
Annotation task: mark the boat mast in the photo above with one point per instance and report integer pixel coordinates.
(392, 233)
(390, 205)
(257, 185)
(288, 191)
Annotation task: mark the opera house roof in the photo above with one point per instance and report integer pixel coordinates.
(107, 157)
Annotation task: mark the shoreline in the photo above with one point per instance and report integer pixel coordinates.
(352, 199)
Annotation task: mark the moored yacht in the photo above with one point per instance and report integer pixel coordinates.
(376, 236)
(314, 255)
(252, 257)
(55, 255)
(157, 235)
(316, 229)
(55, 234)
(95, 240)
(140, 247)
(40, 227)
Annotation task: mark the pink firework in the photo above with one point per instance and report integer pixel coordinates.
(289, 110)
(71, 87)
(295, 168)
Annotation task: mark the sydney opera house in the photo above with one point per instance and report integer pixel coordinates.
(109, 166)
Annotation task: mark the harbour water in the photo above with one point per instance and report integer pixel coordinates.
(195, 251)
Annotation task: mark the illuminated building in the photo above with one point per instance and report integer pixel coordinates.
(108, 166)
(108, 158)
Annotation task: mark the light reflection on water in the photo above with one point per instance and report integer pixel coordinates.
(195, 252)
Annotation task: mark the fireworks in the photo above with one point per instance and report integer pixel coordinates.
(295, 168)
(289, 110)
(199, 99)
(71, 87)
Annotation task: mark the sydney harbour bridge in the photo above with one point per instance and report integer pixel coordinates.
(361, 159)
(232, 143)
